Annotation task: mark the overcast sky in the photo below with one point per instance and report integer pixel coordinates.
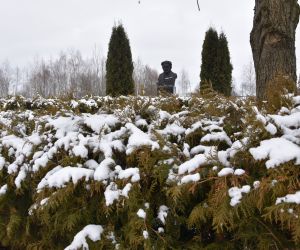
(158, 29)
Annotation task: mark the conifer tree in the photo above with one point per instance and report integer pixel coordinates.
(119, 65)
(209, 57)
(224, 77)
(216, 67)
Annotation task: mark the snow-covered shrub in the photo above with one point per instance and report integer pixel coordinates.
(143, 173)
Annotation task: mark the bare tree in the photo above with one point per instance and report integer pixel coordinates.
(248, 80)
(5, 79)
(151, 76)
(67, 75)
(145, 79)
(183, 83)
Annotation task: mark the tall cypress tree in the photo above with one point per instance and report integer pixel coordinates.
(224, 77)
(216, 67)
(119, 65)
(209, 58)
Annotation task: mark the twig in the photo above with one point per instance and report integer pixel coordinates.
(198, 5)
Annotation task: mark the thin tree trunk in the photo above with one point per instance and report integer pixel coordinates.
(273, 41)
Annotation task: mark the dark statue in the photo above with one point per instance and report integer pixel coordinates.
(166, 80)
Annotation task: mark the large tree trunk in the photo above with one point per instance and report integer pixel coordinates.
(273, 42)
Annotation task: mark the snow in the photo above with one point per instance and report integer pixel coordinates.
(256, 184)
(217, 136)
(141, 123)
(62, 125)
(145, 234)
(2, 162)
(190, 178)
(225, 172)
(259, 116)
(278, 150)
(239, 172)
(292, 120)
(126, 190)
(191, 165)
(80, 150)
(296, 100)
(193, 128)
(163, 213)
(290, 198)
(40, 162)
(98, 122)
(134, 173)
(141, 213)
(93, 232)
(173, 129)
(21, 176)
(91, 164)
(58, 178)
(103, 171)
(164, 115)
(186, 148)
(111, 193)
(20, 145)
(3, 189)
(235, 194)
(271, 129)
(138, 138)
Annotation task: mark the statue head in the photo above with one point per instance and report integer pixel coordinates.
(167, 66)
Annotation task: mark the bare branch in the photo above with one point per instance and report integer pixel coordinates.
(198, 5)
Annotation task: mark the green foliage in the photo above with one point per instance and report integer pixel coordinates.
(209, 68)
(119, 64)
(224, 76)
(216, 68)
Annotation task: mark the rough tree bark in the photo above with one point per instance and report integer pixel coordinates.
(273, 41)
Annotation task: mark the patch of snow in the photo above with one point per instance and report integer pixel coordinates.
(292, 120)
(271, 129)
(21, 176)
(58, 178)
(63, 125)
(103, 170)
(172, 129)
(256, 184)
(191, 165)
(163, 213)
(138, 138)
(91, 164)
(141, 213)
(145, 234)
(290, 198)
(98, 122)
(126, 190)
(93, 232)
(235, 194)
(134, 173)
(278, 150)
(239, 172)
(3, 189)
(81, 151)
(2, 162)
(225, 172)
(111, 193)
(190, 178)
(217, 136)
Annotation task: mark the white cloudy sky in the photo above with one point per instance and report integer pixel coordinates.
(157, 29)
